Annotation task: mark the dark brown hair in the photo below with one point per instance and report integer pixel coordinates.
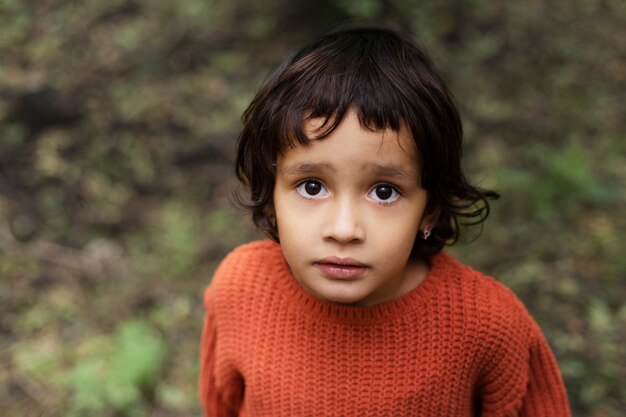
(388, 80)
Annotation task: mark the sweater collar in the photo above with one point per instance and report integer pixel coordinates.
(305, 303)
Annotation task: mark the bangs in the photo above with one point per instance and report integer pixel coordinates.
(372, 73)
(329, 92)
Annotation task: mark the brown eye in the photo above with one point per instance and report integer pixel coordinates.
(311, 189)
(384, 193)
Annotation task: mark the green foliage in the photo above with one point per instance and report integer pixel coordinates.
(596, 380)
(40, 360)
(364, 9)
(556, 184)
(116, 374)
(177, 238)
(570, 180)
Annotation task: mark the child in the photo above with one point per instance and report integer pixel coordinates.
(351, 152)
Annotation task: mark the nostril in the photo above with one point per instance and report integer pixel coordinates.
(345, 231)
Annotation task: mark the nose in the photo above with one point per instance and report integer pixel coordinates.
(343, 223)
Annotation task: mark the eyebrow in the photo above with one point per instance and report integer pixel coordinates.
(389, 171)
(301, 169)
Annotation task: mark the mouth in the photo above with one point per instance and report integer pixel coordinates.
(341, 268)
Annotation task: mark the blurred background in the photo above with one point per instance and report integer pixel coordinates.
(118, 123)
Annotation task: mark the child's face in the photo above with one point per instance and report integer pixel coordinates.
(348, 208)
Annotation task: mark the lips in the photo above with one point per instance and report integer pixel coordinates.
(341, 268)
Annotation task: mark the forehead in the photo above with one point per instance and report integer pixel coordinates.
(352, 147)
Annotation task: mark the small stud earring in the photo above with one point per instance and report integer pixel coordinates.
(427, 231)
(271, 219)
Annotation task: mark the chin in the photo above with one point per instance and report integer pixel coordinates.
(344, 299)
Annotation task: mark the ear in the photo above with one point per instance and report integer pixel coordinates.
(430, 219)
(270, 213)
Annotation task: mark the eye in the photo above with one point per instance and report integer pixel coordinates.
(384, 193)
(311, 189)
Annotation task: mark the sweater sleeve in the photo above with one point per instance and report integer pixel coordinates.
(545, 392)
(526, 381)
(219, 396)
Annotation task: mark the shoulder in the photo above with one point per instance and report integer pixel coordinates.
(498, 315)
(496, 299)
(249, 257)
(503, 327)
(243, 269)
(491, 299)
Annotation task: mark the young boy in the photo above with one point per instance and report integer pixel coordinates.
(351, 152)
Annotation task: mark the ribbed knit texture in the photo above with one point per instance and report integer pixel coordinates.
(460, 344)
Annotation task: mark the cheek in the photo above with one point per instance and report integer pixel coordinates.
(292, 229)
(279, 206)
(398, 231)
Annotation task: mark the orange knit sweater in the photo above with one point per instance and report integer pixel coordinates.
(460, 344)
